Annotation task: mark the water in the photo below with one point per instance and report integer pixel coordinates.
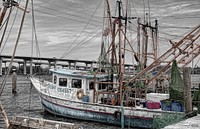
(27, 103)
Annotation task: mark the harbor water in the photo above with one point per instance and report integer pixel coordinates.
(27, 103)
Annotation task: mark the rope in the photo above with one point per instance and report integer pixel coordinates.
(67, 52)
(9, 30)
(7, 21)
(79, 46)
(61, 12)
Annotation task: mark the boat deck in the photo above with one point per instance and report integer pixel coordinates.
(190, 123)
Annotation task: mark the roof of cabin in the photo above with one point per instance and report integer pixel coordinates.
(77, 73)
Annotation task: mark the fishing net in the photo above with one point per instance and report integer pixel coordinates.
(166, 119)
(176, 87)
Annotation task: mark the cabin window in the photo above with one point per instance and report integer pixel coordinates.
(62, 81)
(55, 79)
(76, 83)
(91, 85)
(102, 86)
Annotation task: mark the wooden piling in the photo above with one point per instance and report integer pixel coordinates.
(14, 83)
(25, 67)
(187, 90)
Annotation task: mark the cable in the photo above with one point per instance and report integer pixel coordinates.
(9, 31)
(134, 8)
(78, 46)
(64, 55)
(177, 27)
(76, 20)
(149, 12)
(81, 17)
(84, 44)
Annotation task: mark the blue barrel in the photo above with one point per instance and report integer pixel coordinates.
(177, 106)
(166, 105)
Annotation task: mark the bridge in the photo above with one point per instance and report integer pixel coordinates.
(24, 61)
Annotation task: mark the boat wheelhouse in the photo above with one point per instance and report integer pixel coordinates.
(78, 85)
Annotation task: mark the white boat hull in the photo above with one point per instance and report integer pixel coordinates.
(133, 117)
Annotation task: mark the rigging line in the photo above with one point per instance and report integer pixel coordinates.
(8, 17)
(85, 43)
(84, 40)
(144, 10)
(3, 23)
(79, 21)
(171, 34)
(83, 29)
(78, 47)
(182, 35)
(35, 32)
(10, 29)
(32, 29)
(38, 53)
(161, 38)
(177, 27)
(149, 13)
(181, 17)
(66, 13)
(15, 48)
(4, 32)
(134, 8)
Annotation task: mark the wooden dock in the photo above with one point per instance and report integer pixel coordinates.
(21, 122)
(190, 123)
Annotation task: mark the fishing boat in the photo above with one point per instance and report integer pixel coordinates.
(71, 94)
(109, 94)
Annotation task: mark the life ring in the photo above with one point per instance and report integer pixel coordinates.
(80, 94)
(117, 115)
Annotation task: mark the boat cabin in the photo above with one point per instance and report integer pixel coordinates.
(78, 85)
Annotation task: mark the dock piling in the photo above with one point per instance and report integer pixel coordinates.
(24, 67)
(187, 90)
(14, 82)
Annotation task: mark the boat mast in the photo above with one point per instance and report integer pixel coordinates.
(121, 70)
(121, 58)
